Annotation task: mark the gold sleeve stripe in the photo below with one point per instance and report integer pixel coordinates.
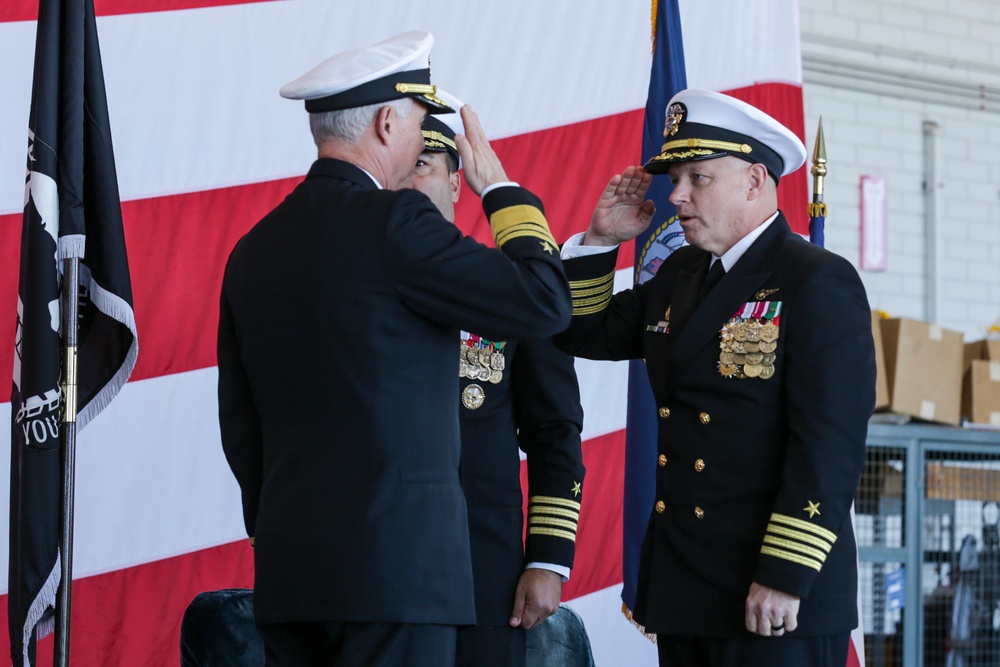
(547, 521)
(555, 500)
(805, 525)
(554, 511)
(552, 532)
(795, 558)
(591, 282)
(520, 220)
(795, 546)
(800, 536)
(525, 229)
(596, 301)
(591, 310)
(603, 288)
(591, 305)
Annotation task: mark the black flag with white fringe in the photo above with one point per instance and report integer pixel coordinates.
(72, 209)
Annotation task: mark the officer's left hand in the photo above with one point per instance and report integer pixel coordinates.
(770, 612)
(536, 597)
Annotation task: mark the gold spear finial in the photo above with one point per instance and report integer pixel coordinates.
(819, 162)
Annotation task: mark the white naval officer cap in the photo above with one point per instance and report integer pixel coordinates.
(703, 124)
(440, 130)
(389, 70)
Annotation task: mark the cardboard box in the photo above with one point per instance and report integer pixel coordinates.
(923, 365)
(988, 350)
(962, 481)
(981, 392)
(881, 383)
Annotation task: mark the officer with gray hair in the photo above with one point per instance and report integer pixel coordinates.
(339, 321)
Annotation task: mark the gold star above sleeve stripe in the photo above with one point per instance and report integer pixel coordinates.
(798, 541)
(812, 508)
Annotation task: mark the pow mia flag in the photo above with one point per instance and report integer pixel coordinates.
(72, 209)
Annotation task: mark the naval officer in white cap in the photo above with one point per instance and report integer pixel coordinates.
(339, 327)
(762, 369)
(513, 395)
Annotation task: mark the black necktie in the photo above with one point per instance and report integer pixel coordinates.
(714, 276)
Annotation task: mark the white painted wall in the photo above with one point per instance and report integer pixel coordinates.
(876, 128)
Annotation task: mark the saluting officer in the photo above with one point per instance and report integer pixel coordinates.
(513, 394)
(340, 317)
(759, 353)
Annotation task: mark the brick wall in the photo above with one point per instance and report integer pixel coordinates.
(876, 70)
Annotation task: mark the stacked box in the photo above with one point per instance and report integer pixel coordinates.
(923, 364)
(981, 382)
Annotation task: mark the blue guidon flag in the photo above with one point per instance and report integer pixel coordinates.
(666, 78)
(72, 209)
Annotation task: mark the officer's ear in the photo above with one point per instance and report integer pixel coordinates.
(757, 180)
(456, 186)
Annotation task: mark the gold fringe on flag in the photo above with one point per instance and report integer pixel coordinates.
(652, 26)
(628, 612)
(817, 209)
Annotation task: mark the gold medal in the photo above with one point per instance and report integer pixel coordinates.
(740, 358)
(766, 371)
(768, 346)
(752, 370)
(495, 377)
(740, 332)
(471, 356)
(752, 346)
(473, 396)
(463, 369)
(769, 332)
(740, 375)
(472, 372)
(497, 361)
(484, 358)
(728, 331)
(755, 358)
(727, 358)
(753, 331)
(768, 359)
(727, 370)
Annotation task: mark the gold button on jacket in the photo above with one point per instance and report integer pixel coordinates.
(664, 412)
(705, 417)
(699, 465)
(660, 507)
(699, 513)
(662, 460)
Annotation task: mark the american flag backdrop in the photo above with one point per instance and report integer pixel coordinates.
(205, 146)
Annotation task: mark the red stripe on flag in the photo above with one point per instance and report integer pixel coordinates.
(27, 10)
(783, 101)
(178, 245)
(598, 563)
(133, 616)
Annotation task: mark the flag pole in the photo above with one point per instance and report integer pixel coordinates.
(70, 292)
(817, 208)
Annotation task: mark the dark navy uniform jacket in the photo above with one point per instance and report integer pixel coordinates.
(339, 325)
(535, 407)
(757, 468)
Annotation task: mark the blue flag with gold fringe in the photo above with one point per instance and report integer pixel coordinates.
(667, 76)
